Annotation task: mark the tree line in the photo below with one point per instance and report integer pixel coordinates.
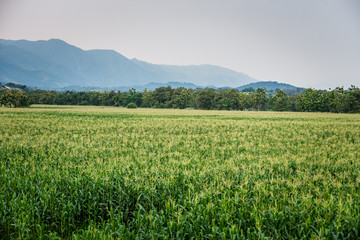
(338, 100)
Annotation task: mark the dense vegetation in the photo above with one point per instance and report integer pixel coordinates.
(104, 172)
(338, 100)
(14, 99)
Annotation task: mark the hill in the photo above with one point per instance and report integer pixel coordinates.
(55, 64)
(268, 85)
(13, 86)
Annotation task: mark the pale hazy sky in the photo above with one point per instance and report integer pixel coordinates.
(308, 43)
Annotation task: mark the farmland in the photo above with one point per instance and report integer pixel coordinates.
(107, 173)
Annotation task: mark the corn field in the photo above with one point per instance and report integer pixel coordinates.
(116, 173)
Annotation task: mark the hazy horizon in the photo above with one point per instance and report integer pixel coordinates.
(306, 44)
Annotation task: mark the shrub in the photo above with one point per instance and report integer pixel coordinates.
(14, 99)
(131, 105)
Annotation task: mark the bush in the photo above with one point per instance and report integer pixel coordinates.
(14, 99)
(131, 105)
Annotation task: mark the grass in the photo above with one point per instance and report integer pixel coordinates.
(117, 173)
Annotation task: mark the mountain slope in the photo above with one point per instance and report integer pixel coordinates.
(268, 85)
(55, 64)
(202, 75)
(83, 68)
(19, 65)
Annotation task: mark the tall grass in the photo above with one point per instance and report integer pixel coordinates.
(108, 173)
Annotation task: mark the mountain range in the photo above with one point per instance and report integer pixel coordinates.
(55, 64)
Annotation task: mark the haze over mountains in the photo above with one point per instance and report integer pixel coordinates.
(54, 64)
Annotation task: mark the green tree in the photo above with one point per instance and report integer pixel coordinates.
(337, 100)
(205, 98)
(21, 99)
(162, 97)
(353, 100)
(94, 98)
(133, 96)
(180, 98)
(292, 102)
(185, 96)
(7, 99)
(312, 100)
(227, 99)
(243, 101)
(281, 101)
(14, 99)
(259, 99)
(249, 89)
(147, 99)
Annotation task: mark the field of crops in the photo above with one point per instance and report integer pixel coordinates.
(116, 173)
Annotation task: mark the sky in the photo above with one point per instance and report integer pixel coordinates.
(307, 43)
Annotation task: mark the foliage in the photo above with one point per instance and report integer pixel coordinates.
(259, 99)
(353, 100)
(19, 86)
(249, 89)
(14, 99)
(313, 101)
(204, 98)
(281, 101)
(106, 173)
(133, 97)
(131, 105)
(338, 100)
(7, 99)
(227, 100)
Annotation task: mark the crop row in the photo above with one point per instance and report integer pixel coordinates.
(171, 174)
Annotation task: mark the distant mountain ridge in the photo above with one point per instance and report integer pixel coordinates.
(148, 86)
(268, 85)
(55, 64)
